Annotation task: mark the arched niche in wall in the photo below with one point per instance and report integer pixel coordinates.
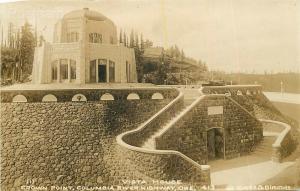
(228, 93)
(133, 96)
(19, 99)
(239, 92)
(248, 92)
(157, 96)
(107, 96)
(49, 98)
(79, 97)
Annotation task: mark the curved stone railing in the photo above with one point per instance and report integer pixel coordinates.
(162, 164)
(283, 144)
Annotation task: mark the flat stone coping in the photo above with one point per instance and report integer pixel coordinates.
(285, 130)
(270, 134)
(30, 86)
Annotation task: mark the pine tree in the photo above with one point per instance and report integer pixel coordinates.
(2, 44)
(142, 43)
(125, 39)
(121, 36)
(131, 45)
(137, 41)
(26, 50)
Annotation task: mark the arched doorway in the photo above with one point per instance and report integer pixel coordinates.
(215, 143)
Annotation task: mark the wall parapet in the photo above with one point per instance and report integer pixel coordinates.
(233, 89)
(162, 164)
(65, 95)
(283, 144)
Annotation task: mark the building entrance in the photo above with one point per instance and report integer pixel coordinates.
(101, 73)
(215, 143)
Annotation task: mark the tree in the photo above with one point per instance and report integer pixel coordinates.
(136, 41)
(148, 44)
(131, 40)
(142, 44)
(121, 37)
(125, 38)
(8, 60)
(27, 45)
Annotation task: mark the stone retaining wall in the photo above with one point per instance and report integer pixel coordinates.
(189, 134)
(67, 143)
(161, 164)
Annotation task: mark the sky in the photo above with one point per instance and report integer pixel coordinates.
(229, 35)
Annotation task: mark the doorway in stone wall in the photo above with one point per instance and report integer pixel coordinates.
(215, 143)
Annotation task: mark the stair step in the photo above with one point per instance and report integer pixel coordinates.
(150, 142)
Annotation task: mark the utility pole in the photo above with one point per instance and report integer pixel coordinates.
(281, 88)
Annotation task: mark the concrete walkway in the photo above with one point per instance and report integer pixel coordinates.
(253, 169)
(254, 174)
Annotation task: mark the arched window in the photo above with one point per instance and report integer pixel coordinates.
(157, 96)
(79, 97)
(228, 93)
(49, 98)
(248, 92)
(133, 96)
(107, 96)
(19, 98)
(54, 70)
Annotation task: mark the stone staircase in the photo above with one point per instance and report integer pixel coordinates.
(189, 97)
(150, 142)
(264, 149)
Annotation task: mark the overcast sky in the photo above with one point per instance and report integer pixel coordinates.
(230, 35)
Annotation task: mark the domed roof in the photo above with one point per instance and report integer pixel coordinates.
(85, 12)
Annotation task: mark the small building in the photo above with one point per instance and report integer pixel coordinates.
(85, 49)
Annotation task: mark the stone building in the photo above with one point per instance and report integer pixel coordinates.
(85, 49)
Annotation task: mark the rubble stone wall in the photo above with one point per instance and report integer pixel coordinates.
(241, 130)
(66, 143)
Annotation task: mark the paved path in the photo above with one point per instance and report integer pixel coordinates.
(283, 97)
(253, 169)
(254, 174)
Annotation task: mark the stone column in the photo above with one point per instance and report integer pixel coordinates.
(205, 175)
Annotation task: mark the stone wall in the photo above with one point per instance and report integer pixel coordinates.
(284, 144)
(64, 95)
(161, 164)
(67, 143)
(189, 134)
(167, 165)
